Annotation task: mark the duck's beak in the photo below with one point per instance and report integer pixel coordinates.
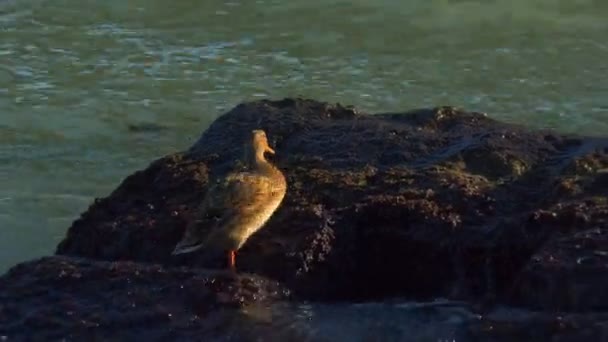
(269, 150)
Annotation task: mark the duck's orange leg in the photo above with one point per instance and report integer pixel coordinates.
(232, 260)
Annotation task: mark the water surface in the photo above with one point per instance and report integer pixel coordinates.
(91, 91)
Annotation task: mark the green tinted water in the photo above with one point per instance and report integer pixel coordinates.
(75, 75)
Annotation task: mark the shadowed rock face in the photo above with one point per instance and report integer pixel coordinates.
(438, 202)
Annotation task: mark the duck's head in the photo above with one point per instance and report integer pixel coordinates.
(260, 142)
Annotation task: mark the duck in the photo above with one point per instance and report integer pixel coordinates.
(242, 203)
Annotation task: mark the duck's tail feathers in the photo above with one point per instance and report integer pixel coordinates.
(184, 247)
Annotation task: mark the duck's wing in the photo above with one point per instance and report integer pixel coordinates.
(244, 190)
(239, 194)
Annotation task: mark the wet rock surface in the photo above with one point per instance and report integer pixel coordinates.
(58, 298)
(424, 204)
(516, 325)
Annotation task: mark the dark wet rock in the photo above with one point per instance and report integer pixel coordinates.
(59, 298)
(436, 202)
(570, 272)
(516, 325)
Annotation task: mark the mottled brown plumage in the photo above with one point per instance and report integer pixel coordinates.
(243, 201)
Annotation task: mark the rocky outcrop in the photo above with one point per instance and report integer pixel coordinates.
(437, 202)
